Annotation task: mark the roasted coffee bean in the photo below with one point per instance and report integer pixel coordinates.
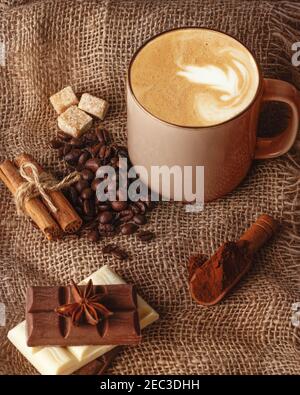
(100, 136)
(81, 185)
(126, 216)
(90, 225)
(109, 248)
(79, 210)
(142, 207)
(87, 175)
(63, 136)
(94, 150)
(67, 149)
(105, 217)
(56, 143)
(94, 235)
(93, 164)
(90, 138)
(139, 219)
(80, 201)
(103, 206)
(146, 235)
(87, 208)
(135, 208)
(105, 152)
(119, 205)
(73, 156)
(75, 142)
(106, 229)
(73, 195)
(128, 229)
(87, 193)
(106, 136)
(95, 183)
(119, 254)
(83, 157)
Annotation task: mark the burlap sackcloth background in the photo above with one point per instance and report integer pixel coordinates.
(88, 44)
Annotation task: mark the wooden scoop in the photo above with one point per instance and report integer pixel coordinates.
(214, 278)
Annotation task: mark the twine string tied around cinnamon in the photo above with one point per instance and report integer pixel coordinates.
(37, 184)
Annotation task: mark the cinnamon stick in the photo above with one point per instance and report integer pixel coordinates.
(34, 207)
(65, 215)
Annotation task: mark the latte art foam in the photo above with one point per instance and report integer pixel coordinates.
(194, 77)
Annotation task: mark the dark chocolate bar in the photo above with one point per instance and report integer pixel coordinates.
(47, 328)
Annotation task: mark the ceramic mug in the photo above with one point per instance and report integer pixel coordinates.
(225, 150)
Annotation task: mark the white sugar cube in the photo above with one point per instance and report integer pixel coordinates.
(93, 105)
(63, 99)
(74, 121)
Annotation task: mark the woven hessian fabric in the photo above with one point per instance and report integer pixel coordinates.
(88, 44)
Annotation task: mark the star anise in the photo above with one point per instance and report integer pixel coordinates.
(86, 307)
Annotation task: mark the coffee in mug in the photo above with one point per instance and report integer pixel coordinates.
(194, 77)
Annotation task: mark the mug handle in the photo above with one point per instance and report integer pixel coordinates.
(271, 147)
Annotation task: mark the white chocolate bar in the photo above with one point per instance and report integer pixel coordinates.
(63, 99)
(74, 121)
(66, 360)
(93, 105)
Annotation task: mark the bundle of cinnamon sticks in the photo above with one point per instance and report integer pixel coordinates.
(52, 223)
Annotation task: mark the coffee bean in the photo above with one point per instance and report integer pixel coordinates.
(91, 225)
(128, 229)
(87, 175)
(87, 193)
(119, 205)
(56, 143)
(94, 235)
(146, 235)
(81, 185)
(93, 164)
(95, 183)
(105, 152)
(115, 251)
(75, 142)
(120, 254)
(135, 208)
(73, 195)
(106, 229)
(79, 210)
(109, 248)
(100, 136)
(90, 138)
(126, 216)
(105, 217)
(139, 219)
(83, 158)
(106, 136)
(103, 207)
(73, 156)
(87, 208)
(142, 207)
(94, 150)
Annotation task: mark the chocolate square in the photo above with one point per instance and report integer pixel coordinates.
(46, 328)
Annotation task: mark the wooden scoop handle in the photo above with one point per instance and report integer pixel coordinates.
(260, 232)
